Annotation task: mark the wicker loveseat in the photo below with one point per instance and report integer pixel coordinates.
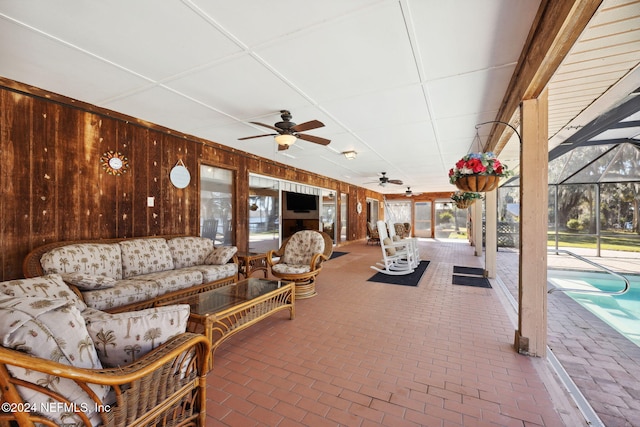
(64, 364)
(117, 275)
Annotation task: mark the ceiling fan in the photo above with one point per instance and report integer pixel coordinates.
(384, 180)
(288, 131)
(410, 193)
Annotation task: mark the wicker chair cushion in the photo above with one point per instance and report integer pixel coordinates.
(51, 329)
(122, 338)
(48, 286)
(221, 255)
(144, 256)
(88, 282)
(96, 259)
(302, 246)
(291, 268)
(189, 251)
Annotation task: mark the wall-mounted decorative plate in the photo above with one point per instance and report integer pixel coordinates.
(114, 163)
(180, 176)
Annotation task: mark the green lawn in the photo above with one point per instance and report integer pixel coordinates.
(610, 241)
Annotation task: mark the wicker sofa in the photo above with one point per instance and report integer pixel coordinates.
(117, 275)
(62, 363)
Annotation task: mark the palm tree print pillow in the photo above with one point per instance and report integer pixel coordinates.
(123, 338)
(51, 329)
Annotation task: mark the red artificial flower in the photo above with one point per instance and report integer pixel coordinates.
(476, 166)
(460, 164)
(451, 172)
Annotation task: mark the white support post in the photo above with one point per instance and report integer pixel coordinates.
(491, 233)
(476, 212)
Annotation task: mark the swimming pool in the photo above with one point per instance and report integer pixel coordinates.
(621, 312)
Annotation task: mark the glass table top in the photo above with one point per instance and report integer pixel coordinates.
(227, 296)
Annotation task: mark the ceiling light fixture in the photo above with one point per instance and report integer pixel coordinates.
(350, 155)
(285, 139)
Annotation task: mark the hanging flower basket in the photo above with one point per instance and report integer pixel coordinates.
(477, 183)
(478, 172)
(465, 199)
(464, 204)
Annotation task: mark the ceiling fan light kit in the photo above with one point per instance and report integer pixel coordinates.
(285, 139)
(289, 132)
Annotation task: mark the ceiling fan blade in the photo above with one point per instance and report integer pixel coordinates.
(313, 124)
(314, 139)
(395, 181)
(266, 126)
(257, 136)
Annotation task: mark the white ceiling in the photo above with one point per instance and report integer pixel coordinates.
(401, 82)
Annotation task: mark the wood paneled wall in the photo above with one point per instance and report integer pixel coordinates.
(53, 187)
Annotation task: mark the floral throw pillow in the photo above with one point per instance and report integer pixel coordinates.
(221, 255)
(123, 338)
(50, 329)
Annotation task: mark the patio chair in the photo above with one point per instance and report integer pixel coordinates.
(300, 259)
(412, 242)
(396, 258)
(372, 234)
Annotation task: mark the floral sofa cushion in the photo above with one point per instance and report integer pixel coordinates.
(49, 286)
(144, 287)
(173, 280)
(220, 255)
(51, 329)
(123, 338)
(212, 273)
(95, 259)
(124, 292)
(189, 251)
(302, 246)
(143, 256)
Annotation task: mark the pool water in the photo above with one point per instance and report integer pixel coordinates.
(621, 312)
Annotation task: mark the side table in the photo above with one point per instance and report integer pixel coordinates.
(250, 262)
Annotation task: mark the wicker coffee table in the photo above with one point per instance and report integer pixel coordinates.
(222, 312)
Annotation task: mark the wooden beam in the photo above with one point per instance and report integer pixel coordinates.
(556, 28)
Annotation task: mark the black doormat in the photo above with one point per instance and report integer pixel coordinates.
(478, 282)
(337, 254)
(468, 270)
(411, 279)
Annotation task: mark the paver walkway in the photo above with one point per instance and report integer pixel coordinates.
(371, 354)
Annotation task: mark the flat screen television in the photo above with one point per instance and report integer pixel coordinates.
(298, 202)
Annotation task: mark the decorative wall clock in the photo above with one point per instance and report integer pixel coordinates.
(114, 163)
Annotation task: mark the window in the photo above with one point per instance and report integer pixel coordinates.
(216, 204)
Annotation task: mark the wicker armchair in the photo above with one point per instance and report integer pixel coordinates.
(293, 264)
(165, 387)
(373, 236)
